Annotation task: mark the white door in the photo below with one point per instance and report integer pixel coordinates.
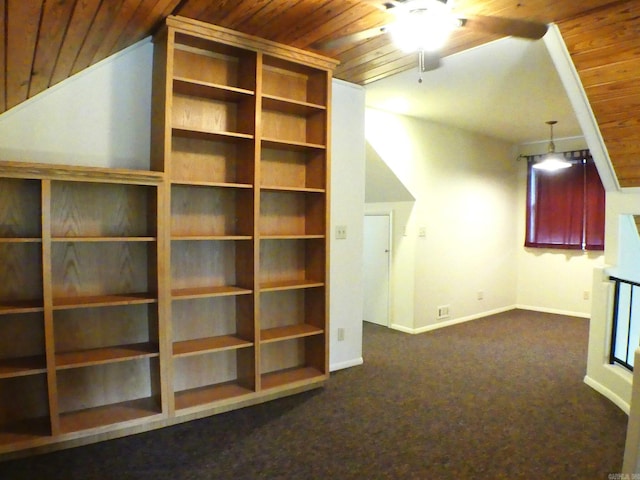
(376, 268)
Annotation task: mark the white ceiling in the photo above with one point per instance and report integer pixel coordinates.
(506, 89)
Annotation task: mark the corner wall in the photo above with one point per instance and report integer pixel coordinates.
(456, 243)
(347, 209)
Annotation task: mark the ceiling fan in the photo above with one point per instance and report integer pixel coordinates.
(424, 26)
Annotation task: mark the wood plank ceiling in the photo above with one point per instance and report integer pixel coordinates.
(46, 41)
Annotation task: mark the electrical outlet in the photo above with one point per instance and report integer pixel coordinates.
(586, 295)
(340, 334)
(422, 232)
(443, 312)
(480, 295)
(341, 232)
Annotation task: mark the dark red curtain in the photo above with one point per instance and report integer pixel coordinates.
(595, 208)
(565, 209)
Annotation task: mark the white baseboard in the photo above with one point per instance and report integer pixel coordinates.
(347, 364)
(554, 310)
(606, 392)
(448, 323)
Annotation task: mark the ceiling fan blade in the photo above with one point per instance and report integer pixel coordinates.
(506, 26)
(350, 39)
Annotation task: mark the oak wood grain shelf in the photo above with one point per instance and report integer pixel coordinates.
(20, 306)
(29, 170)
(287, 105)
(289, 285)
(211, 90)
(104, 300)
(103, 239)
(204, 134)
(17, 367)
(95, 417)
(211, 184)
(291, 236)
(289, 332)
(20, 240)
(290, 376)
(278, 188)
(210, 237)
(197, 397)
(290, 144)
(202, 292)
(210, 344)
(99, 356)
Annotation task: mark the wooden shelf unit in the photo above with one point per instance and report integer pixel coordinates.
(240, 129)
(78, 299)
(131, 300)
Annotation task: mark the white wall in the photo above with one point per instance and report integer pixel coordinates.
(347, 208)
(101, 117)
(465, 190)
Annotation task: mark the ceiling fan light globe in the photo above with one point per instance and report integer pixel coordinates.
(423, 26)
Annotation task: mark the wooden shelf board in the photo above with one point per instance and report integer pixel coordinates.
(200, 292)
(103, 300)
(289, 332)
(75, 173)
(209, 344)
(209, 394)
(289, 285)
(104, 239)
(189, 183)
(25, 431)
(22, 366)
(285, 105)
(290, 145)
(209, 237)
(290, 236)
(20, 306)
(197, 88)
(210, 135)
(289, 376)
(278, 188)
(20, 240)
(109, 414)
(99, 356)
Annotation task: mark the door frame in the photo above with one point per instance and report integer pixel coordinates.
(387, 213)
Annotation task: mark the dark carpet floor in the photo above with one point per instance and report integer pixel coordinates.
(500, 397)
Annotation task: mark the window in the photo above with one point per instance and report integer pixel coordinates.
(565, 209)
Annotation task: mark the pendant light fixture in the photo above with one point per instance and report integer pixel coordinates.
(552, 161)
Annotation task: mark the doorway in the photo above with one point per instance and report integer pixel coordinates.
(376, 265)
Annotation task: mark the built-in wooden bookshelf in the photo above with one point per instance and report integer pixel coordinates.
(79, 286)
(136, 299)
(241, 133)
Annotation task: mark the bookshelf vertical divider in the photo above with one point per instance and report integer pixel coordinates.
(47, 299)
